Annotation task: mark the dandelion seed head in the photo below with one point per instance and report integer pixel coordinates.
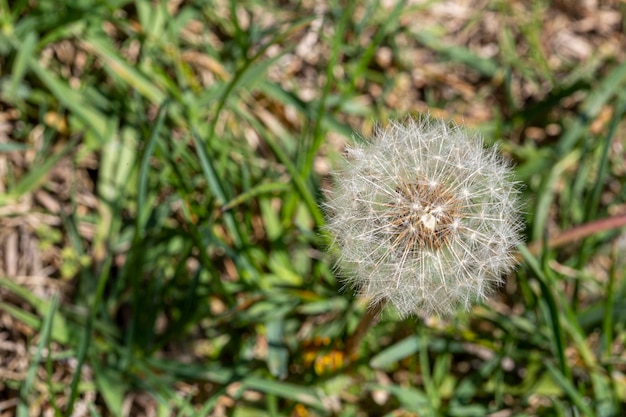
(424, 218)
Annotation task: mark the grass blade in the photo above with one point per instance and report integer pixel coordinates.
(551, 310)
(569, 389)
(46, 331)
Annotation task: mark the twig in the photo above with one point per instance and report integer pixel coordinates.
(580, 232)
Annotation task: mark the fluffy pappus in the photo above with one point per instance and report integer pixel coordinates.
(424, 217)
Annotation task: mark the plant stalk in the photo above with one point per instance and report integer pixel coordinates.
(367, 319)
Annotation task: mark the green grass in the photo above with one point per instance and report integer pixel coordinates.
(187, 160)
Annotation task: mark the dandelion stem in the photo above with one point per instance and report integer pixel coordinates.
(354, 340)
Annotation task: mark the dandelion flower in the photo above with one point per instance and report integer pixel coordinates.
(424, 217)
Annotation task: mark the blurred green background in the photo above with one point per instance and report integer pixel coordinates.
(162, 168)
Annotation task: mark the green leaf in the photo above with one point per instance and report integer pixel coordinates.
(256, 191)
(12, 147)
(111, 386)
(484, 66)
(60, 332)
(45, 331)
(277, 353)
(395, 353)
(25, 52)
(94, 120)
(599, 96)
(122, 69)
(304, 394)
(410, 398)
(570, 390)
(38, 173)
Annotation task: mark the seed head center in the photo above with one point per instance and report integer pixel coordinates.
(429, 221)
(423, 216)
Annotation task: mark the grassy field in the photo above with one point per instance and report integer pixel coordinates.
(163, 165)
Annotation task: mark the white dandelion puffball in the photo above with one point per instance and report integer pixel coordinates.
(424, 217)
